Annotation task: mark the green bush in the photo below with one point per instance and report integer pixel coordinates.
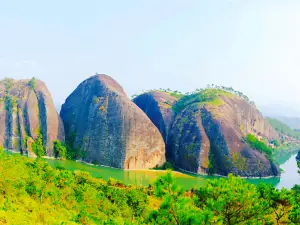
(165, 166)
(59, 149)
(8, 84)
(258, 145)
(32, 83)
(276, 143)
(38, 147)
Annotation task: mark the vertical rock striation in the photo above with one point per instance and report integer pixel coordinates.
(104, 126)
(158, 106)
(26, 113)
(206, 132)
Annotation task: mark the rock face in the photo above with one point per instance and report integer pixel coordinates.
(158, 106)
(207, 133)
(26, 113)
(298, 156)
(104, 126)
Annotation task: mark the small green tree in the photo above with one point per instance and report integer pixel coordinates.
(279, 201)
(59, 149)
(276, 143)
(8, 83)
(175, 207)
(225, 201)
(294, 215)
(38, 147)
(32, 83)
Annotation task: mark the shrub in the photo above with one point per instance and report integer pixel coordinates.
(258, 145)
(38, 147)
(165, 166)
(59, 149)
(8, 83)
(32, 83)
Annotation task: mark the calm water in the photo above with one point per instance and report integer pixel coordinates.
(288, 179)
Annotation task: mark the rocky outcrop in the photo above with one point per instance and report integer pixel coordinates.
(26, 114)
(104, 126)
(208, 135)
(158, 107)
(205, 132)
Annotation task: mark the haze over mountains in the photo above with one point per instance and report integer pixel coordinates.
(284, 112)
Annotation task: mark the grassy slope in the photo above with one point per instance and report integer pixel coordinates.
(206, 96)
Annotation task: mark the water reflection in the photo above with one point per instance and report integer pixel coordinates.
(290, 176)
(288, 179)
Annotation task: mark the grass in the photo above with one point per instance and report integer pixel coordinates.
(208, 96)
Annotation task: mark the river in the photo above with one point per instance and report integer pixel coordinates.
(288, 179)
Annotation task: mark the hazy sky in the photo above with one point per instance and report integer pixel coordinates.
(253, 46)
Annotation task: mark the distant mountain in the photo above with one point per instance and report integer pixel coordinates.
(284, 112)
(292, 122)
(283, 128)
(278, 110)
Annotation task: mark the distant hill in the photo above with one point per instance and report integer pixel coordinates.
(283, 128)
(292, 122)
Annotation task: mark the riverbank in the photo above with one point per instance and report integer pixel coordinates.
(177, 171)
(222, 176)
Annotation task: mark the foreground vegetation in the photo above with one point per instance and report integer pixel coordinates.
(32, 192)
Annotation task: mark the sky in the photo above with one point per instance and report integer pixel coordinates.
(251, 45)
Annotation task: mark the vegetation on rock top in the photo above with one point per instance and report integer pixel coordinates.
(205, 96)
(32, 83)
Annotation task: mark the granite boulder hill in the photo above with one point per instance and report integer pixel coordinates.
(103, 126)
(27, 116)
(208, 133)
(158, 106)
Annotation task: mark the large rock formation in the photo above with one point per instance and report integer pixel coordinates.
(158, 106)
(208, 134)
(27, 113)
(104, 126)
